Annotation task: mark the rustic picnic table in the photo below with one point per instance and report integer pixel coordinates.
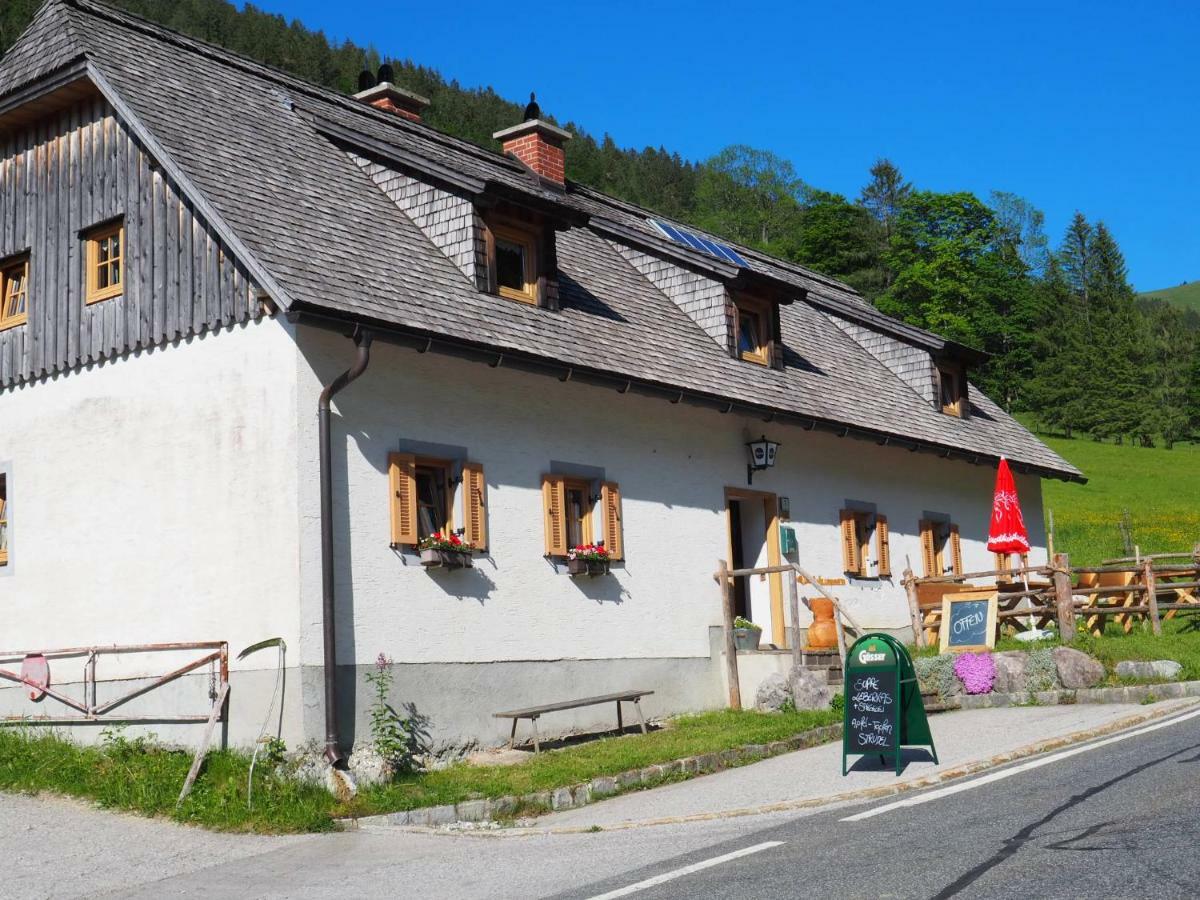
(533, 713)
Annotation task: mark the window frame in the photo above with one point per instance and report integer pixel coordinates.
(761, 312)
(94, 293)
(587, 527)
(7, 268)
(4, 526)
(930, 528)
(958, 377)
(878, 536)
(528, 241)
(446, 469)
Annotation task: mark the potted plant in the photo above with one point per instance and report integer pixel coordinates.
(745, 634)
(587, 559)
(445, 551)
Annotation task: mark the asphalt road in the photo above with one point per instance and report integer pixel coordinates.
(1115, 818)
(1121, 820)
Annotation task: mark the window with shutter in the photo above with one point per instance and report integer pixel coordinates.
(554, 513)
(930, 558)
(883, 550)
(3, 520)
(402, 479)
(956, 560)
(474, 504)
(610, 502)
(851, 552)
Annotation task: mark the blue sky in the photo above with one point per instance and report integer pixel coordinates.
(1090, 105)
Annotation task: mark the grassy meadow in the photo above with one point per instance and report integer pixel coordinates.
(1158, 487)
(1185, 296)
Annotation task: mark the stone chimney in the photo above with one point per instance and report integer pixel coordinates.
(537, 143)
(380, 92)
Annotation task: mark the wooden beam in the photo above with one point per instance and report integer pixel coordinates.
(1151, 595)
(731, 665)
(1064, 600)
(914, 607)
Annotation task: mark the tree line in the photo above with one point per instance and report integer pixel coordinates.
(1069, 341)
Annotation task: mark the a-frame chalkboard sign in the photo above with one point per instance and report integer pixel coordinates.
(883, 707)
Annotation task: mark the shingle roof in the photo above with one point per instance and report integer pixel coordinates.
(250, 140)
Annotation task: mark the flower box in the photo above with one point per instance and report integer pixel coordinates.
(445, 559)
(449, 551)
(587, 559)
(591, 567)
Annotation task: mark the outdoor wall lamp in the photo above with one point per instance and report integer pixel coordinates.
(762, 456)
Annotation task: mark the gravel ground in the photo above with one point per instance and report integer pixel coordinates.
(54, 847)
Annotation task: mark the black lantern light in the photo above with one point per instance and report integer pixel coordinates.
(762, 456)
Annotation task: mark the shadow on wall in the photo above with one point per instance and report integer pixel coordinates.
(601, 588)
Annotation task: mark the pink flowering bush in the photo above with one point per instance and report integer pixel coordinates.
(976, 671)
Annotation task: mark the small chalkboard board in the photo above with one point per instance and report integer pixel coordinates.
(872, 704)
(968, 622)
(883, 707)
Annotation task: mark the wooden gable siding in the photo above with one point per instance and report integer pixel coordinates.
(78, 169)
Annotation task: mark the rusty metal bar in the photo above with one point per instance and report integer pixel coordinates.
(85, 720)
(50, 692)
(170, 676)
(6, 655)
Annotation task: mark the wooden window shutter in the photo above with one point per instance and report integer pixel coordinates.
(956, 550)
(610, 503)
(554, 512)
(402, 478)
(928, 549)
(776, 343)
(474, 502)
(851, 558)
(882, 549)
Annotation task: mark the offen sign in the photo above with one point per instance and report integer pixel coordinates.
(969, 622)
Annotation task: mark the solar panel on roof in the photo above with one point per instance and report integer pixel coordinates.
(696, 242)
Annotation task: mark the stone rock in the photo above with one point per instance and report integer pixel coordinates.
(810, 688)
(1076, 669)
(367, 766)
(1010, 672)
(773, 693)
(1158, 668)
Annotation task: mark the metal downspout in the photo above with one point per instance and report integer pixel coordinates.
(333, 749)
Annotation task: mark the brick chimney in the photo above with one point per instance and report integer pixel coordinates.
(537, 143)
(380, 92)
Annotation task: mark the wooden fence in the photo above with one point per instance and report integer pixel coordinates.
(1071, 592)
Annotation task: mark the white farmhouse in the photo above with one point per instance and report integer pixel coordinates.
(229, 295)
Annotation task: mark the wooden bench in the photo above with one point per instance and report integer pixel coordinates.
(533, 713)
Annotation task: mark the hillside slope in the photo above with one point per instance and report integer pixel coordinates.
(1158, 487)
(1185, 296)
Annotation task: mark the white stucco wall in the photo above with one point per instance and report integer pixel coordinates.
(672, 462)
(156, 501)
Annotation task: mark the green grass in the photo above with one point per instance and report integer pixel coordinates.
(141, 777)
(1186, 296)
(688, 736)
(1158, 487)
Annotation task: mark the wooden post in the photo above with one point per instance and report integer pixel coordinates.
(1063, 598)
(794, 612)
(1152, 595)
(1050, 538)
(731, 666)
(914, 608)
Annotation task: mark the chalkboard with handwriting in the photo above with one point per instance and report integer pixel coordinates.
(883, 706)
(968, 622)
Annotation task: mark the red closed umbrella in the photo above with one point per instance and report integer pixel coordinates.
(1007, 533)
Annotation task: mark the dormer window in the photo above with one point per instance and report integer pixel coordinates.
(755, 338)
(514, 263)
(952, 390)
